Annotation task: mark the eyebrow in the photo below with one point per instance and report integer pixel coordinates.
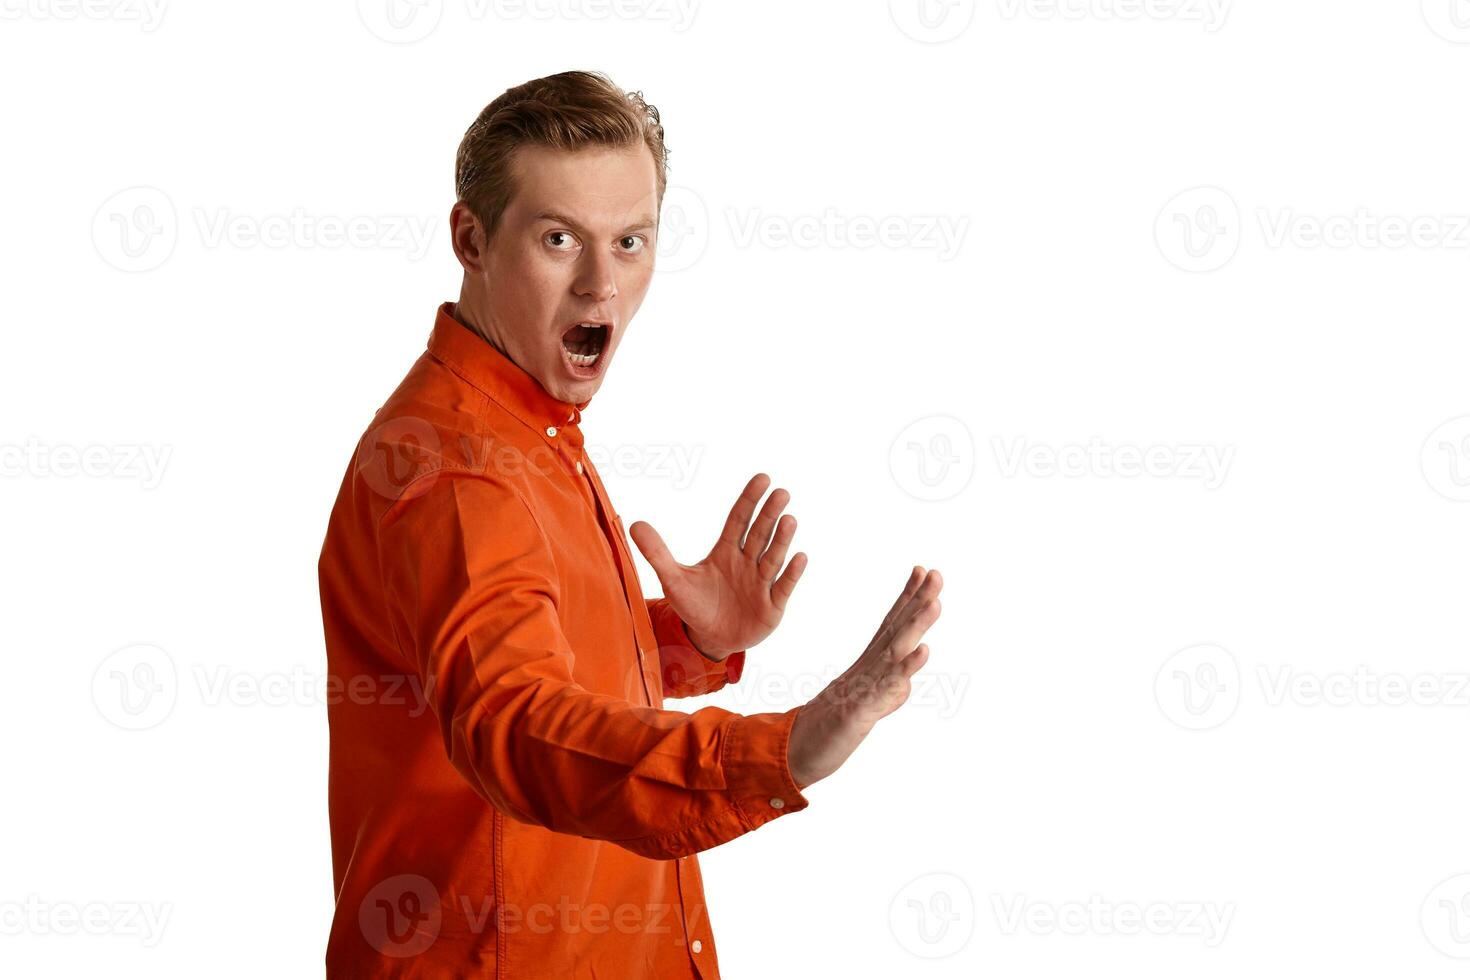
(646, 221)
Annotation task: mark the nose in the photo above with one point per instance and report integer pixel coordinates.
(596, 277)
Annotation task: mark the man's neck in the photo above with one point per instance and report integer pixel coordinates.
(456, 311)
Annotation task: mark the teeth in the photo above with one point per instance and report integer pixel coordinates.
(586, 360)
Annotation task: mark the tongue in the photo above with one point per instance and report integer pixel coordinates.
(583, 340)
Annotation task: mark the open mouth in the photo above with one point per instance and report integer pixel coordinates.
(584, 344)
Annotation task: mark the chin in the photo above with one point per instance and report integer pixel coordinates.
(573, 391)
(570, 382)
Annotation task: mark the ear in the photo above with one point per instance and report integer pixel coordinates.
(468, 238)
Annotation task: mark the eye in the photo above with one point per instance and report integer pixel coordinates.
(560, 240)
(632, 244)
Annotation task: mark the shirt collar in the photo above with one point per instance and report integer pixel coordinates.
(476, 360)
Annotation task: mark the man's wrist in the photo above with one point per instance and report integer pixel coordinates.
(704, 648)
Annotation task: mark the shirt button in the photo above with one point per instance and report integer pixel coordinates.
(579, 466)
(551, 430)
(696, 945)
(777, 802)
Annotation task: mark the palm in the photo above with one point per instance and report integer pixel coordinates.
(723, 596)
(734, 597)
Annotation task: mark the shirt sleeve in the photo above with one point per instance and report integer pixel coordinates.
(471, 588)
(687, 672)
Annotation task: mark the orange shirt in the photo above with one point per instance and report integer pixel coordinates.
(507, 796)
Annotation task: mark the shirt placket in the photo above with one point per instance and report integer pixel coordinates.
(567, 442)
(613, 531)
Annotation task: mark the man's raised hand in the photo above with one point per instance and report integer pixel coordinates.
(736, 595)
(831, 726)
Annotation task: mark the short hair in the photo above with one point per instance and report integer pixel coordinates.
(568, 111)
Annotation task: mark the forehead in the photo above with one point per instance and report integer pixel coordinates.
(596, 185)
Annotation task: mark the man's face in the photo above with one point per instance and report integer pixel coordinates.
(566, 269)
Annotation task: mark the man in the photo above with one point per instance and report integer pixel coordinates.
(507, 796)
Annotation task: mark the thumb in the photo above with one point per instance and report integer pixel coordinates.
(654, 549)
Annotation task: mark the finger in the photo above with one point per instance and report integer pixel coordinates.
(783, 587)
(893, 619)
(652, 545)
(906, 637)
(739, 519)
(929, 587)
(759, 538)
(916, 578)
(770, 562)
(910, 665)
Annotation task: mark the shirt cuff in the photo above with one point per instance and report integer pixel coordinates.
(685, 670)
(757, 784)
(757, 768)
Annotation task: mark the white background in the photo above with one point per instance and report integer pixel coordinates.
(1228, 701)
